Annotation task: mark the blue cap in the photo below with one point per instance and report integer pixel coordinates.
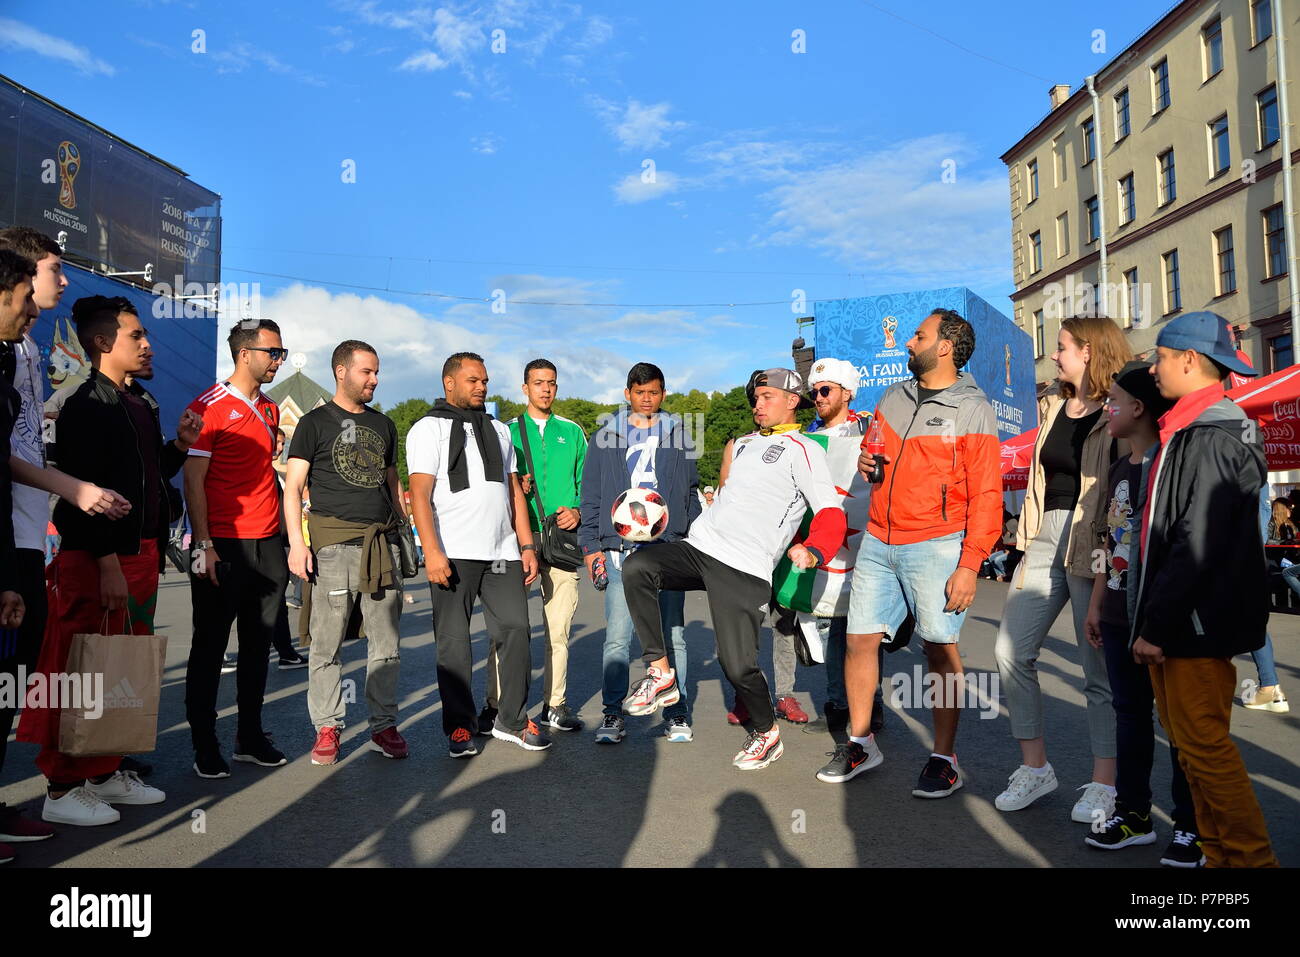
(1207, 333)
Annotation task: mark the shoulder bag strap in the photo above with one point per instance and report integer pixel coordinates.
(528, 460)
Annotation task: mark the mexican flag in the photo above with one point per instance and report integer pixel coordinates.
(824, 591)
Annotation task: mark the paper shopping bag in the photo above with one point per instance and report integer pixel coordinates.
(121, 717)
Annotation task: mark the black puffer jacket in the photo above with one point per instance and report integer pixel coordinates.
(97, 443)
(1200, 589)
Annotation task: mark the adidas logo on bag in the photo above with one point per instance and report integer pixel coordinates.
(123, 696)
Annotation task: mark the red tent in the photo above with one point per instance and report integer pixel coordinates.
(1274, 402)
(1017, 455)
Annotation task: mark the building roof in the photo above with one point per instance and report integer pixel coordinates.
(305, 393)
(1149, 38)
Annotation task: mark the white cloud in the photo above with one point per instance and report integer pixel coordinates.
(486, 145)
(240, 56)
(456, 38)
(889, 211)
(425, 61)
(636, 125)
(15, 35)
(462, 94)
(632, 189)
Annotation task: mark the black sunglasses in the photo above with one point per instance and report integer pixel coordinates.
(824, 391)
(277, 355)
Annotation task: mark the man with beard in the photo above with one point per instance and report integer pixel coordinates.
(933, 519)
(478, 544)
(239, 569)
(348, 452)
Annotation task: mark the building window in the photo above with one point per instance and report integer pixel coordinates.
(1036, 254)
(1261, 20)
(1274, 241)
(1089, 141)
(1220, 150)
(1168, 184)
(1127, 200)
(1212, 40)
(1033, 180)
(1280, 352)
(1227, 261)
(1062, 234)
(1094, 219)
(1122, 124)
(1133, 293)
(1059, 170)
(1160, 86)
(1040, 333)
(1173, 291)
(1266, 105)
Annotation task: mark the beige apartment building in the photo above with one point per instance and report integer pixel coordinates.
(1180, 158)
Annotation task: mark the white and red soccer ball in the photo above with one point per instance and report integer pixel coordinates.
(639, 515)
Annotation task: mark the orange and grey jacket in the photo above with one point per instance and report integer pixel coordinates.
(943, 474)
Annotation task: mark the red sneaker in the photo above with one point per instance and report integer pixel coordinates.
(326, 750)
(738, 714)
(789, 709)
(16, 829)
(389, 743)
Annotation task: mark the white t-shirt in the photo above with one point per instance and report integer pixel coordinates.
(772, 480)
(31, 505)
(473, 523)
(541, 425)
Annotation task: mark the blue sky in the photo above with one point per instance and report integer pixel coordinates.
(524, 170)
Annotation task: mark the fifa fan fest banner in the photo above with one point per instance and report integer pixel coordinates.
(872, 333)
(184, 349)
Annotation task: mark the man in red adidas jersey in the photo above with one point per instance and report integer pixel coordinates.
(239, 570)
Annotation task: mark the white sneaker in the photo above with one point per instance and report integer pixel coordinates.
(1268, 699)
(79, 807)
(125, 787)
(1024, 787)
(1097, 804)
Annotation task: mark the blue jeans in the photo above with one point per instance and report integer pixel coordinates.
(1264, 663)
(833, 631)
(616, 655)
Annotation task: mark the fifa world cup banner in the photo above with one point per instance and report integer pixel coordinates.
(824, 591)
(872, 333)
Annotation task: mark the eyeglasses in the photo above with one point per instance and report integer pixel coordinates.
(824, 391)
(277, 355)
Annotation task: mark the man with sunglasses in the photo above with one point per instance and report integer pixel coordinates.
(238, 569)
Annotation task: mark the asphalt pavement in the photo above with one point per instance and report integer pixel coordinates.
(644, 802)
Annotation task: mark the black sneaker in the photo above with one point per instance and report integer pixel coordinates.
(837, 718)
(210, 764)
(1124, 829)
(462, 744)
(848, 760)
(296, 661)
(611, 730)
(228, 665)
(486, 718)
(261, 752)
(528, 737)
(938, 779)
(141, 768)
(1184, 850)
(560, 719)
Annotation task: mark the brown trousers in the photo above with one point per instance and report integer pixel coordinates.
(1194, 698)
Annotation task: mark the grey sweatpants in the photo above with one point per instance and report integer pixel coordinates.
(336, 586)
(1039, 590)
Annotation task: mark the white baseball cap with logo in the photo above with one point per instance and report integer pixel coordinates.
(839, 371)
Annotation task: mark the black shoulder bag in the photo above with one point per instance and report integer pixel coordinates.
(559, 546)
(402, 537)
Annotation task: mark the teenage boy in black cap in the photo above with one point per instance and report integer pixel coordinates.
(1202, 584)
(1134, 409)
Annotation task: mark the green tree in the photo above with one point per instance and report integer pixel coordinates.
(729, 414)
(507, 409)
(404, 415)
(583, 411)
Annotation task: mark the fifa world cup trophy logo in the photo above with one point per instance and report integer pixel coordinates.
(1008, 351)
(69, 166)
(889, 325)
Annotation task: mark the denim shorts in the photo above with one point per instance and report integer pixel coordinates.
(890, 580)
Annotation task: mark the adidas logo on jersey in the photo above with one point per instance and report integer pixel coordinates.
(235, 414)
(123, 696)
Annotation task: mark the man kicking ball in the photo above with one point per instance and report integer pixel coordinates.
(730, 553)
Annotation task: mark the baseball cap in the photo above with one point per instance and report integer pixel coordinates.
(787, 380)
(1136, 379)
(1207, 333)
(839, 371)
(709, 488)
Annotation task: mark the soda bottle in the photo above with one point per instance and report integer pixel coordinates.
(599, 577)
(874, 443)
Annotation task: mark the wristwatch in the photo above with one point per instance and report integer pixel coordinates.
(202, 545)
(528, 548)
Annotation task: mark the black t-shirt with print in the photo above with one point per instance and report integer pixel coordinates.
(349, 454)
(1123, 524)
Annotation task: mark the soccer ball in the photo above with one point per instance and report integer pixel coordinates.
(639, 515)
